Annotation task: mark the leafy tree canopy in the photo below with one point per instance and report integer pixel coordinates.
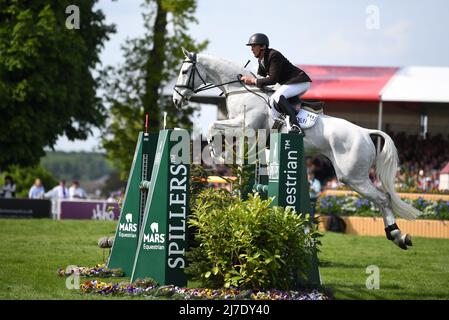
(134, 88)
(47, 86)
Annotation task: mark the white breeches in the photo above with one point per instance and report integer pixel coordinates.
(288, 91)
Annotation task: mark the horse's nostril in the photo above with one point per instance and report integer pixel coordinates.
(175, 101)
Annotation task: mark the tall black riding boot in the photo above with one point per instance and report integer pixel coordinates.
(288, 109)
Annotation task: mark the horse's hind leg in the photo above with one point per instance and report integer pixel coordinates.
(382, 200)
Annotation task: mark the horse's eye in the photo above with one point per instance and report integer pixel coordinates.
(184, 71)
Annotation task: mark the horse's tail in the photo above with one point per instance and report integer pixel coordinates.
(386, 167)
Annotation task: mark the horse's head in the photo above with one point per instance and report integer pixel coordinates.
(191, 76)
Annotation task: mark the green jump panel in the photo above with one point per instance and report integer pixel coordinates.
(131, 214)
(288, 183)
(161, 251)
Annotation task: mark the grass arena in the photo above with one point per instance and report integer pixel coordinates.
(33, 250)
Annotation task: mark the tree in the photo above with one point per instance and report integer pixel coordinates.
(47, 87)
(134, 89)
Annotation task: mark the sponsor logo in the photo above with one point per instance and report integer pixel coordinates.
(154, 236)
(178, 202)
(128, 226)
(101, 212)
(154, 227)
(290, 173)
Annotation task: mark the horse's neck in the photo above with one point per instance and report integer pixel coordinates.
(221, 71)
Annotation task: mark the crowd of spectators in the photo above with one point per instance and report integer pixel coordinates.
(420, 160)
(37, 190)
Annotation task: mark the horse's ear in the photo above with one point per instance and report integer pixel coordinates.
(186, 53)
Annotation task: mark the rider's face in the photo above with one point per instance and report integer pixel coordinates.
(257, 50)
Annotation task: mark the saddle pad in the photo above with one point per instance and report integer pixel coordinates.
(306, 119)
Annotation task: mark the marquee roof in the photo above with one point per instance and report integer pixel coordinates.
(347, 83)
(407, 84)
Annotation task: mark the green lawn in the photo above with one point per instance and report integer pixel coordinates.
(32, 250)
(422, 272)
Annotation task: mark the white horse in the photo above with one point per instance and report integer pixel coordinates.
(348, 146)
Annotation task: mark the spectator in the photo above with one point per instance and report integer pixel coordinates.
(332, 183)
(116, 196)
(314, 192)
(37, 191)
(9, 188)
(58, 192)
(76, 192)
(111, 197)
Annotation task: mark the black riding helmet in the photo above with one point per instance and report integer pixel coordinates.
(258, 38)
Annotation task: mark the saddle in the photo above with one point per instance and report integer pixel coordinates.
(309, 105)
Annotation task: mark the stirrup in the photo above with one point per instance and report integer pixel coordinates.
(296, 129)
(278, 123)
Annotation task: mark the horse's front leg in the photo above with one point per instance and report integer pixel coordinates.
(228, 129)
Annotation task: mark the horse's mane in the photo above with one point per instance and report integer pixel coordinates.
(222, 65)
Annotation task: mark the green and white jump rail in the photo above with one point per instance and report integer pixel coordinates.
(287, 182)
(151, 236)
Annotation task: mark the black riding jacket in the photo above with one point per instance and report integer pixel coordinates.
(279, 70)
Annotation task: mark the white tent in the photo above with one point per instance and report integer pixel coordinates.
(418, 84)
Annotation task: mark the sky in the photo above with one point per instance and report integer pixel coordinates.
(324, 32)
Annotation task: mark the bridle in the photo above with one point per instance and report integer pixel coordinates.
(190, 85)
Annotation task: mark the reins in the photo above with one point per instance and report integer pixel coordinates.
(191, 82)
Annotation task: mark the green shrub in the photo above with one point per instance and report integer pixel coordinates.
(248, 244)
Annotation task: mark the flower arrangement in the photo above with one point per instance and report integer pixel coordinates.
(357, 206)
(148, 288)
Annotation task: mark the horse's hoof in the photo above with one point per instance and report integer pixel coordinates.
(402, 245)
(408, 240)
(403, 241)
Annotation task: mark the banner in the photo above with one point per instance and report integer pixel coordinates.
(25, 208)
(88, 209)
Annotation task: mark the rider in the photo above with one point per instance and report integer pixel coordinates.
(277, 69)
